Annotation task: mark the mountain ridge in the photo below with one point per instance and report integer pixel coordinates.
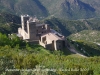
(66, 9)
(18, 7)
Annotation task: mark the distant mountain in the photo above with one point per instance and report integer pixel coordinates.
(67, 9)
(72, 9)
(18, 7)
(77, 9)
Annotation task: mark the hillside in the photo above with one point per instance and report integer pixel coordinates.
(9, 23)
(67, 27)
(18, 7)
(70, 9)
(66, 9)
(86, 48)
(20, 58)
(73, 9)
(87, 35)
(86, 42)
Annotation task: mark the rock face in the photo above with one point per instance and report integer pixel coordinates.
(68, 9)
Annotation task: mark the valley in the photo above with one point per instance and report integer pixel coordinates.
(77, 20)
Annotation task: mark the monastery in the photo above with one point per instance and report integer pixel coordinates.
(32, 30)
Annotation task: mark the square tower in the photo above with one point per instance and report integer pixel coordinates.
(31, 28)
(24, 19)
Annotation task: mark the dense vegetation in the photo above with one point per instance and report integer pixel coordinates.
(20, 58)
(9, 23)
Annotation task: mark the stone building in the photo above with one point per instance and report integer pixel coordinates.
(34, 31)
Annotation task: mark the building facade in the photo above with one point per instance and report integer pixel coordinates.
(33, 30)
